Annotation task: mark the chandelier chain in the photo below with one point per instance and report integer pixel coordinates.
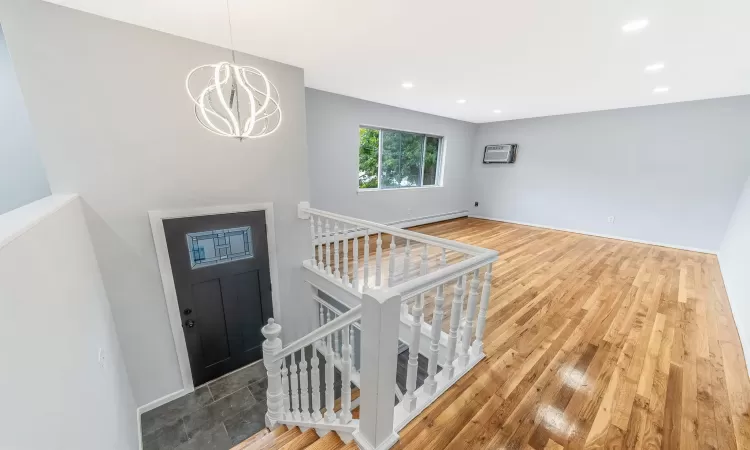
(231, 35)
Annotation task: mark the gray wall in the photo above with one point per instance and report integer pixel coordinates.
(670, 174)
(22, 178)
(734, 258)
(55, 320)
(333, 140)
(114, 124)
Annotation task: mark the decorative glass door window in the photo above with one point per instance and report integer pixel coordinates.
(213, 247)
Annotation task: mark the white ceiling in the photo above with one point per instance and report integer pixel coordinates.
(528, 58)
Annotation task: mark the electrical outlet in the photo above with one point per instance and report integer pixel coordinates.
(476, 204)
(611, 219)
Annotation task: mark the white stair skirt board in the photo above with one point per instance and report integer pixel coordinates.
(589, 233)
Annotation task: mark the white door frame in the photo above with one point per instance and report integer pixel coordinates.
(167, 280)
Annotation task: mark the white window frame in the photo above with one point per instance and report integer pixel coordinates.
(438, 170)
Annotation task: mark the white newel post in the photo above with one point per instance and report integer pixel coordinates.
(379, 350)
(478, 346)
(468, 329)
(274, 395)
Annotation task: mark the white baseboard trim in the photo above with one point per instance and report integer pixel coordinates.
(621, 238)
(160, 401)
(406, 223)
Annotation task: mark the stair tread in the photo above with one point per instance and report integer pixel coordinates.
(331, 441)
(301, 441)
(280, 434)
(350, 446)
(254, 438)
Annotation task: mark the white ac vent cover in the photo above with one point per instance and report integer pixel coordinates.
(500, 154)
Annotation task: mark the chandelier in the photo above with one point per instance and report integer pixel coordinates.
(234, 101)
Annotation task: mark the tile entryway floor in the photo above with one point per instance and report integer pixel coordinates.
(216, 416)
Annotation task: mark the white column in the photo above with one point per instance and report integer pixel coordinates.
(315, 380)
(378, 260)
(274, 396)
(379, 342)
(471, 309)
(330, 394)
(304, 388)
(313, 240)
(346, 375)
(430, 385)
(294, 380)
(321, 263)
(328, 247)
(366, 281)
(346, 256)
(478, 346)
(392, 262)
(336, 233)
(355, 267)
(456, 308)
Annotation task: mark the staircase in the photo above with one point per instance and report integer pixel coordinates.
(368, 306)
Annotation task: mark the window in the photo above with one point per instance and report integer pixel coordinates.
(391, 159)
(207, 248)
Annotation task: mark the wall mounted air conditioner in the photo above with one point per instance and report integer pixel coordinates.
(500, 154)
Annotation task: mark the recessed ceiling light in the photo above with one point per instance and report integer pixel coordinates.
(497, 111)
(656, 67)
(407, 85)
(661, 89)
(635, 25)
(461, 101)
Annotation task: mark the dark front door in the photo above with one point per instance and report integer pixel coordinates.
(221, 274)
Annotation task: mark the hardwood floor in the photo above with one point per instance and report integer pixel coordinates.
(594, 343)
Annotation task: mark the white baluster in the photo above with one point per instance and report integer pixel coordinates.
(423, 267)
(336, 345)
(294, 380)
(336, 232)
(392, 262)
(315, 380)
(378, 260)
(346, 255)
(328, 247)
(430, 385)
(346, 373)
(366, 281)
(330, 414)
(471, 308)
(407, 260)
(462, 322)
(478, 346)
(304, 388)
(274, 392)
(354, 347)
(410, 400)
(355, 268)
(312, 239)
(321, 263)
(456, 308)
(285, 382)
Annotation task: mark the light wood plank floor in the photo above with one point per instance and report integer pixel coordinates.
(594, 343)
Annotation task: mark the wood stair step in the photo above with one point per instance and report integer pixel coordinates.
(351, 446)
(300, 442)
(269, 440)
(247, 442)
(331, 441)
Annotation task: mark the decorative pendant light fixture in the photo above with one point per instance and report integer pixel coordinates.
(235, 101)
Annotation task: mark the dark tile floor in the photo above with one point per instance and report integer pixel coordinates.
(215, 416)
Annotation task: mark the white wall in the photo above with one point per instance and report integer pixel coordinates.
(734, 259)
(22, 178)
(113, 122)
(669, 174)
(55, 318)
(333, 140)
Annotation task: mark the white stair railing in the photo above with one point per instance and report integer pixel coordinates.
(396, 292)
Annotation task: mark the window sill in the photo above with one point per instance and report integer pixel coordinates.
(411, 188)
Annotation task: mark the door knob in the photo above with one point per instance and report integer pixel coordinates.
(190, 323)
(187, 311)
